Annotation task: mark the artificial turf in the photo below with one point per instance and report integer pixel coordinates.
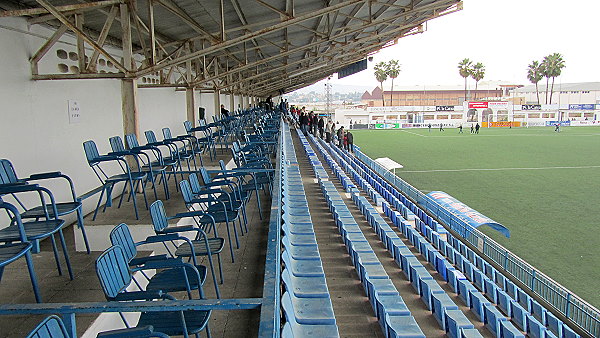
(547, 191)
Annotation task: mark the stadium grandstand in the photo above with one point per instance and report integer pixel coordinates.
(153, 184)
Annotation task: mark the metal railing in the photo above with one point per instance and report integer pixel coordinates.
(564, 301)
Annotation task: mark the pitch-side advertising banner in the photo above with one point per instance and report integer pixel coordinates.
(465, 213)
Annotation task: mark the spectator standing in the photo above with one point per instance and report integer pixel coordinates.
(321, 126)
(340, 136)
(224, 112)
(350, 139)
(328, 131)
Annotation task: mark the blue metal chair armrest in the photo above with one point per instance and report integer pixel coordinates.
(15, 188)
(177, 229)
(188, 214)
(140, 295)
(43, 176)
(135, 332)
(120, 153)
(143, 260)
(159, 238)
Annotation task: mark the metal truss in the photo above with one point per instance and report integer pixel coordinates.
(229, 54)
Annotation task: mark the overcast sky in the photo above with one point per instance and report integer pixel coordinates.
(503, 35)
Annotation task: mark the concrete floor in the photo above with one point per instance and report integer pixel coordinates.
(242, 279)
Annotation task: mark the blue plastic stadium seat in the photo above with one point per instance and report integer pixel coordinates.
(305, 287)
(453, 277)
(535, 328)
(518, 315)
(428, 288)
(302, 268)
(478, 301)
(538, 311)
(392, 305)
(491, 290)
(470, 333)
(465, 288)
(440, 303)
(504, 302)
(455, 322)
(492, 319)
(508, 330)
(403, 326)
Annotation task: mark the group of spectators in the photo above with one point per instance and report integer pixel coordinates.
(316, 125)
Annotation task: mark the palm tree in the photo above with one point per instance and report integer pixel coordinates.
(381, 75)
(393, 70)
(464, 69)
(477, 73)
(535, 75)
(554, 65)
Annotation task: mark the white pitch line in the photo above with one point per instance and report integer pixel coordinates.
(410, 132)
(496, 169)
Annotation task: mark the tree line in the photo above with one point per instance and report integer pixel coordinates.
(550, 67)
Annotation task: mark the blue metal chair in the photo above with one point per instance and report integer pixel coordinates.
(8, 175)
(172, 274)
(170, 161)
(189, 145)
(39, 229)
(206, 143)
(128, 177)
(18, 248)
(118, 149)
(217, 211)
(53, 327)
(202, 245)
(176, 154)
(114, 275)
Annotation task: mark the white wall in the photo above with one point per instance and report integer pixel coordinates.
(35, 133)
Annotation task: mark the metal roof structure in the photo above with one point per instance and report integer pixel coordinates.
(246, 47)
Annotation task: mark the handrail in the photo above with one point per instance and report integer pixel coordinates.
(573, 307)
(270, 314)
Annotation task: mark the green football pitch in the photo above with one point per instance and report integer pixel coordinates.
(542, 185)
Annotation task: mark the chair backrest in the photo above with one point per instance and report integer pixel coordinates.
(116, 143)
(121, 236)
(159, 216)
(113, 272)
(188, 126)
(222, 165)
(166, 133)
(194, 183)
(91, 151)
(205, 176)
(15, 216)
(51, 327)
(186, 192)
(150, 137)
(7, 172)
(132, 141)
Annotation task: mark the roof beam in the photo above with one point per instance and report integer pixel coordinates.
(246, 37)
(79, 32)
(64, 8)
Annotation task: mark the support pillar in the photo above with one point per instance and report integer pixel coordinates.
(190, 105)
(129, 107)
(217, 97)
(231, 102)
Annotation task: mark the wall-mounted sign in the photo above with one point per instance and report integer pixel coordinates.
(444, 108)
(478, 104)
(582, 106)
(74, 112)
(531, 107)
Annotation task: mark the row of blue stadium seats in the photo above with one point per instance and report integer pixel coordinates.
(389, 307)
(306, 301)
(445, 311)
(441, 305)
(532, 318)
